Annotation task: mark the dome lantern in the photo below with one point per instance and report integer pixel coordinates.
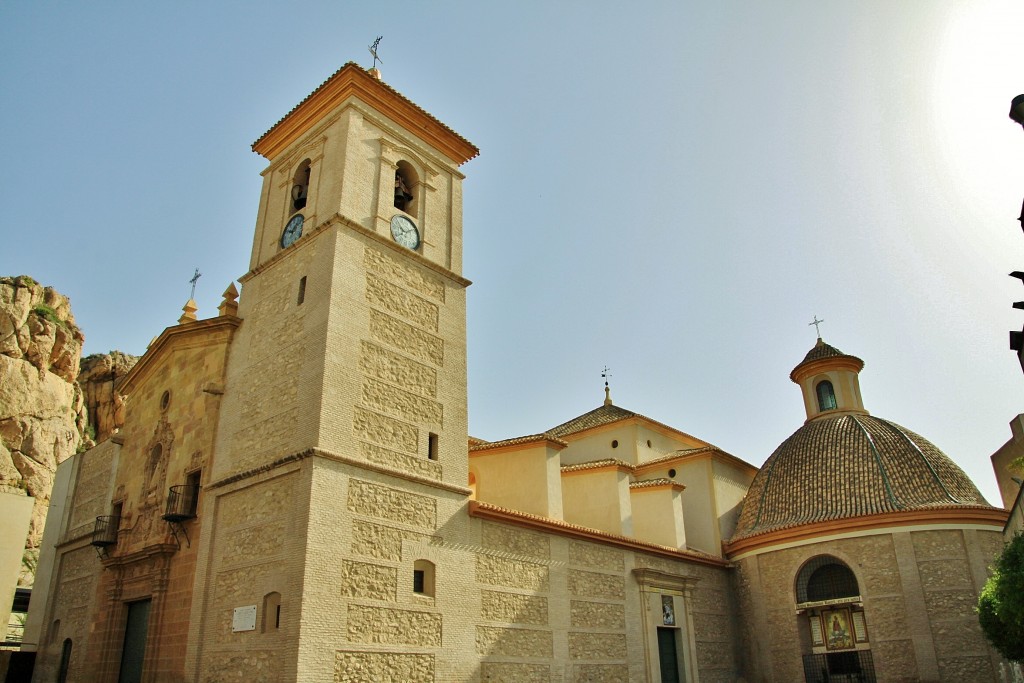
(828, 379)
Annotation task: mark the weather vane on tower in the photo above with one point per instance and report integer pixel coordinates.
(373, 51)
(606, 373)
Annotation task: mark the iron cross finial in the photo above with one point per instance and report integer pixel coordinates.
(373, 51)
(606, 373)
(195, 278)
(816, 322)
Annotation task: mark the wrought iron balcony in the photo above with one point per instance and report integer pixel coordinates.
(853, 666)
(104, 533)
(181, 502)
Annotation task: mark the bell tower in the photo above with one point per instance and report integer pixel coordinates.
(343, 428)
(354, 305)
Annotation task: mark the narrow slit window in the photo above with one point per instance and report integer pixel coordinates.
(271, 612)
(432, 447)
(302, 289)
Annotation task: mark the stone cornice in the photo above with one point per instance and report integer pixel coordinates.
(956, 516)
(336, 457)
(654, 580)
(340, 220)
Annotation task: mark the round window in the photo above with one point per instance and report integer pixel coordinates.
(671, 474)
(615, 443)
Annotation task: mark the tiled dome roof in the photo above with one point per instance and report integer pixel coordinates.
(850, 466)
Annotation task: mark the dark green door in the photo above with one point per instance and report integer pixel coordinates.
(134, 642)
(667, 655)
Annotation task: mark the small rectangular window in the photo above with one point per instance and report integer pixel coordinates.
(432, 447)
(417, 581)
(302, 289)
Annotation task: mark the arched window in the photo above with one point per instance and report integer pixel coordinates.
(406, 186)
(826, 396)
(65, 661)
(271, 620)
(825, 578)
(423, 577)
(300, 186)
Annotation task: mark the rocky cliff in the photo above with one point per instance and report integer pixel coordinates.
(44, 411)
(42, 416)
(99, 378)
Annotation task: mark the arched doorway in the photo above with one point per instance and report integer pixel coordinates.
(834, 640)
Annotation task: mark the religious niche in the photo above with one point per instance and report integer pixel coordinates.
(154, 477)
(668, 611)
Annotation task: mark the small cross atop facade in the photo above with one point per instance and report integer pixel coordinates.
(816, 322)
(195, 278)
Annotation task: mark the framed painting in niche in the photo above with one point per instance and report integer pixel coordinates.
(838, 629)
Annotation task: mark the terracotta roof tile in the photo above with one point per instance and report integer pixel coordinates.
(851, 466)
(596, 464)
(516, 441)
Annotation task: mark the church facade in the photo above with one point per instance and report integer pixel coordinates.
(294, 495)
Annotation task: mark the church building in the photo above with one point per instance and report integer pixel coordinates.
(294, 495)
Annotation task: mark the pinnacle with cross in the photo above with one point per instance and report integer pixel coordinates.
(816, 322)
(195, 278)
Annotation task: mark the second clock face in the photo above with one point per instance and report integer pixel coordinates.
(404, 231)
(292, 231)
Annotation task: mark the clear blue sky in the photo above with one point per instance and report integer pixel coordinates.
(672, 189)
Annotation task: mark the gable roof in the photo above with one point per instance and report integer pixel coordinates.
(609, 414)
(350, 80)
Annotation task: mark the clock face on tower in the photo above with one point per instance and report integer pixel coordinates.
(292, 231)
(404, 231)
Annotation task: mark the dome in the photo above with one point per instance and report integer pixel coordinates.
(847, 466)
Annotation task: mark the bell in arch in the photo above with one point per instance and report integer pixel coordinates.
(299, 196)
(402, 194)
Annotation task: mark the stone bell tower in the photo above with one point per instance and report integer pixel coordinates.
(345, 399)
(354, 306)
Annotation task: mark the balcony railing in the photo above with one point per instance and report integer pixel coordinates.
(181, 502)
(851, 665)
(104, 533)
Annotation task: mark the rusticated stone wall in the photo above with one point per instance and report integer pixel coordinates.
(919, 590)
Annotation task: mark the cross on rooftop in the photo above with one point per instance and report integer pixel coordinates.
(816, 322)
(194, 279)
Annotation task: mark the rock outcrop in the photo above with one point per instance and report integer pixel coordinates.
(99, 378)
(42, 413)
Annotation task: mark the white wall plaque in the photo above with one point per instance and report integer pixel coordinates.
(244, 619)
(815, 621)
(859, 627)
